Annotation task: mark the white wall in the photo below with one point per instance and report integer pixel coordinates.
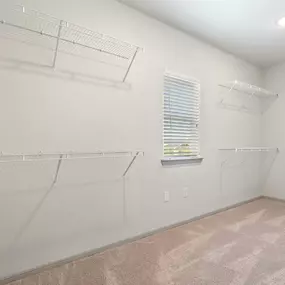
(40, 110)
(272, 131)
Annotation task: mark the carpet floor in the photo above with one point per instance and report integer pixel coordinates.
(241, 246)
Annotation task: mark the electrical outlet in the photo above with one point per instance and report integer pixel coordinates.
(166, 196)
(185, 192)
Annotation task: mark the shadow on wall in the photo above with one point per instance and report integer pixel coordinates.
(245, 172)
(267, 160)
(71, 65)
(66, 75)
(88, 196)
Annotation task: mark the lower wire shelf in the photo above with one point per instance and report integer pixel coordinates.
(251, 149)
(59, 158)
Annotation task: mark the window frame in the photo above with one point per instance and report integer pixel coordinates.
(180, 159)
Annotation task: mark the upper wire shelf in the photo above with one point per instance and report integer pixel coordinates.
(64, 32)
(248, 89)
(251, 149)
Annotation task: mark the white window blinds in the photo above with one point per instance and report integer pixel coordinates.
(181, 117)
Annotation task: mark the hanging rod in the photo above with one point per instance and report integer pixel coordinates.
(248, 89)
(41, 156)
(250, 149)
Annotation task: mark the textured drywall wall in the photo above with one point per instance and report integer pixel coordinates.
(43, 110)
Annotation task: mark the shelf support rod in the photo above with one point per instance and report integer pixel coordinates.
(57, 171)
(131, 63)
(38, 206)
(57, 44)
(124, 200)
(230, 90)
(130, 164)
(249, 98)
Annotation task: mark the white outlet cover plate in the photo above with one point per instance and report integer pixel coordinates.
(166, 196)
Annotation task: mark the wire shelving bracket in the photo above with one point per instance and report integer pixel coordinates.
(62, 31)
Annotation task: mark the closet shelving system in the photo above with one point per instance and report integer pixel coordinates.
(251, 91)
(63, 32)
(62, 36)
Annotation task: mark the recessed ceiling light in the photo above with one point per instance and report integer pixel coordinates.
(281, 22)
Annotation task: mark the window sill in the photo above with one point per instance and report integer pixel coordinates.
(181, 160)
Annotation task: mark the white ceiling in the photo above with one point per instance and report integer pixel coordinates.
(246, 28)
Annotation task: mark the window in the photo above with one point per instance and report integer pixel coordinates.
(181, 118)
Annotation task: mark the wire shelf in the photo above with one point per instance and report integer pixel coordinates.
(36, 157)
(74, 34)
(67, 36)
(248, 89)
(251, 149)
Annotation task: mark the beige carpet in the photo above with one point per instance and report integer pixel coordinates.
(245, 245)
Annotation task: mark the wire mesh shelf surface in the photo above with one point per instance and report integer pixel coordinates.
(66, 37)
(248, 89)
